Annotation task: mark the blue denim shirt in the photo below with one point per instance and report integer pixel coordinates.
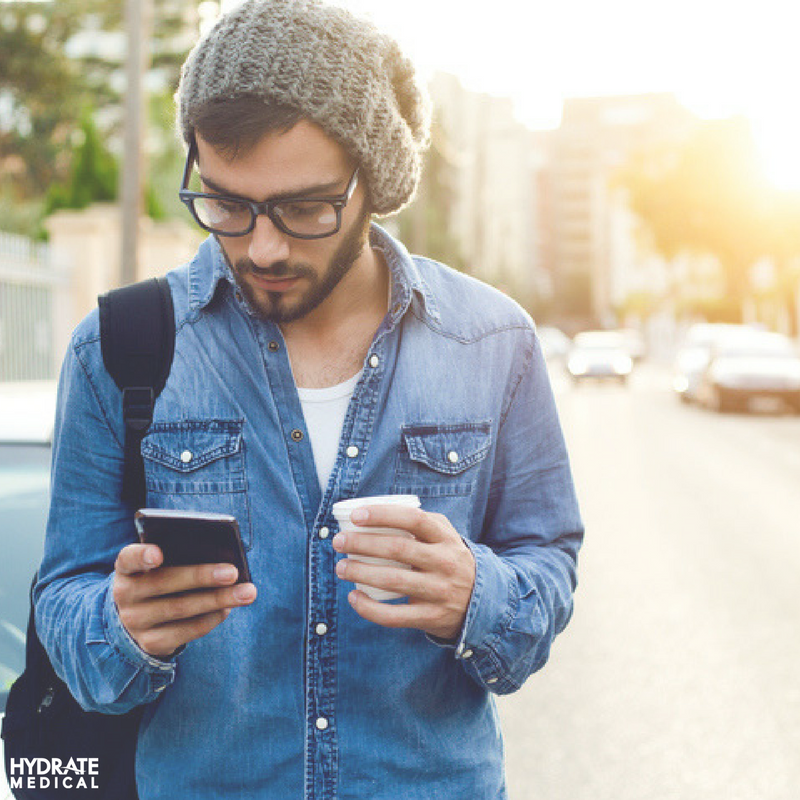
(297, 696)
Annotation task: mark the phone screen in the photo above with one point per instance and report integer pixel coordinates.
(187, 537)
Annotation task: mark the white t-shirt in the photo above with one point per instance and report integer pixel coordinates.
(324, 411)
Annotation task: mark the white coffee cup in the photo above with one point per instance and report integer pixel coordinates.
(342, 511)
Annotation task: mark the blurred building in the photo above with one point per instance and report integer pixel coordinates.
(489, 162)
(592, 251)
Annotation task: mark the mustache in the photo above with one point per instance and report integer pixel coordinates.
(280, 269)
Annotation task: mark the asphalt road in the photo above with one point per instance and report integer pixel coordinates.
(679, 675)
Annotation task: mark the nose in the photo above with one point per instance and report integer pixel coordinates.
(268, 244)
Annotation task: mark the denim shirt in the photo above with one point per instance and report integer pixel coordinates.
(297, 696)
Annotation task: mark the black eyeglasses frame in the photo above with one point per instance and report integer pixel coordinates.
(267, 208)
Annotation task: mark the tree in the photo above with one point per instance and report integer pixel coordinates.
(93, 175)
(707, 196)
(42, 89)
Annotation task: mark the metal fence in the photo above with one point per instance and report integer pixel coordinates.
(32, 283)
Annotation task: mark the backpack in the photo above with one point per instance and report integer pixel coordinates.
(42, 719)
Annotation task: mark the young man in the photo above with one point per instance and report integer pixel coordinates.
(315, 360)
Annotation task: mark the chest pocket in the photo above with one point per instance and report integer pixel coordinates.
(198, 465)
(440, 460)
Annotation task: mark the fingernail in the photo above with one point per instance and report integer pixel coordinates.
(150, 558)
(227, 573)
(341, 568)
(244, 593)
(359, 515)
(339, 541)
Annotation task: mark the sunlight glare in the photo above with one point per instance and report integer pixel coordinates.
(778, 141)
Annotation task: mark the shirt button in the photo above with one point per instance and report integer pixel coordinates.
(322, 629)
(273, 347)
(374, 361)
(492, 680)
(452, 457)
(297, 435)
(322, 723)
(186, 456)
(352, 451)
(324, 533)
(467, 654)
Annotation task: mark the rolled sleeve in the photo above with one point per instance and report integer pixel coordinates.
(525, 564)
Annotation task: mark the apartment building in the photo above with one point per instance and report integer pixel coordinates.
(593, 256)
(491, 166)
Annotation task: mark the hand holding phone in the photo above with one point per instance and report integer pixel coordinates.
(193, 537)
(180, 591)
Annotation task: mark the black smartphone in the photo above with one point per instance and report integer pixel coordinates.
(193, 537)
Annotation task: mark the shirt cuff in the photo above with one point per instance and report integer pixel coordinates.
(493, 604)
(162, 670)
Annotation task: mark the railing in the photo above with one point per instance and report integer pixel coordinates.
(32, 285)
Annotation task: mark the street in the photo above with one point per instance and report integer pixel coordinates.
(679, 676)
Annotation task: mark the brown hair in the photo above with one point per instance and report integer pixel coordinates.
(234, 125)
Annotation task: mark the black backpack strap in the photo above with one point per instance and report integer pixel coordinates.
(137, 338)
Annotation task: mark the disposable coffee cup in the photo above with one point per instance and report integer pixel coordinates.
(342, 511)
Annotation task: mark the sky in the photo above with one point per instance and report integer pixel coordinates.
(719, 58)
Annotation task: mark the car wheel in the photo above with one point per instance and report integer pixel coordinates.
(720, 401)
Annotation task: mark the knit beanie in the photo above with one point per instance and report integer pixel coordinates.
(338, 70)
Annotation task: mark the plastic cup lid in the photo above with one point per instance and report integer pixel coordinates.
(344, 507)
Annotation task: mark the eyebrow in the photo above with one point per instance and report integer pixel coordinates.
(319, 190)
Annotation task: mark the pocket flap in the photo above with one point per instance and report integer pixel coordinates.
(449, 449)
(191, 444)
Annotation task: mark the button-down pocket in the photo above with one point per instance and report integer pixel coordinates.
(198, 465)
(440, 460)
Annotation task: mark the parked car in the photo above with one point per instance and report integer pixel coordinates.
(749, 366)
(694, 355)
(598, 355)
(634, 343)
(554, 342)
(26, 425)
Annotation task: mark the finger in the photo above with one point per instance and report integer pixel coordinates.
(136, 558)
(171, 580)
(423, 616)
(405, 582)
(421, 524)
(187, 605)
(164, 640)
(402, 549)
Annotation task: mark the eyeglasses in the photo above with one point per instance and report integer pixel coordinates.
(302, 217)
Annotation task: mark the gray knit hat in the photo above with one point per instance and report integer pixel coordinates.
(336, 69)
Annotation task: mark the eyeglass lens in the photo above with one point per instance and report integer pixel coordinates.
(303, 217)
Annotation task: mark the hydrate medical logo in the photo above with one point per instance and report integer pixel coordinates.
(53, 773)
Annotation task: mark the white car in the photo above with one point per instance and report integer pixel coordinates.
(26, 426)
(598, 355)
(750, 366)
(695, 353)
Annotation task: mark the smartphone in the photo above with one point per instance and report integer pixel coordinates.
(193, 537)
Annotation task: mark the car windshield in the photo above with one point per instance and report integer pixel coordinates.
(598, 342)
(24, 490)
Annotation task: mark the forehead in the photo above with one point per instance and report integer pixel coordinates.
(281, 162)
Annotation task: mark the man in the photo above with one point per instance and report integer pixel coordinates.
(315, 360)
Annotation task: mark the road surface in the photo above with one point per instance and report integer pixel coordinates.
(679, 676)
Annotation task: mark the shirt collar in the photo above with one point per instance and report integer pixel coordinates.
(210, 268)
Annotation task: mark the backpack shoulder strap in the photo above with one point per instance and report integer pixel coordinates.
(137, 339)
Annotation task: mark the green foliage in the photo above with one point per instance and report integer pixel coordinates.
(43, 89)
(93, 176)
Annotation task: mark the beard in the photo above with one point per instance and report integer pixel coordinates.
(320, 285)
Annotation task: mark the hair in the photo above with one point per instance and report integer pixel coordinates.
(236, 125)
